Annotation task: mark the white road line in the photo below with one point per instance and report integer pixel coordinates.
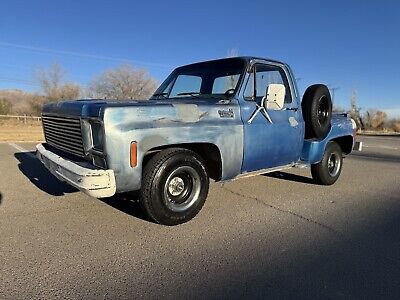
(23, 150)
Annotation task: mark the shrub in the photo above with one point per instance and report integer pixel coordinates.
(5, 107)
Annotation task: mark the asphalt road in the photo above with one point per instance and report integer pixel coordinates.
(273, 236)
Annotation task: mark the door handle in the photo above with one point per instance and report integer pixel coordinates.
(291, 108)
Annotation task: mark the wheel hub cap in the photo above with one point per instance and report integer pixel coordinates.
(176, 186)
(182, 188)
(333, 164)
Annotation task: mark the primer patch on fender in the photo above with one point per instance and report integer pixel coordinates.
(188, 113)
(151, 141)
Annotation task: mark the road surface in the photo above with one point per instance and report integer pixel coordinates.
(269, 236)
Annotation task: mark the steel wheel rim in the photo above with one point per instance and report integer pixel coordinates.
(182, 188)
(334, 164)
(323, 110)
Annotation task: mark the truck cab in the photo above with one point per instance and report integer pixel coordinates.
(221, 119)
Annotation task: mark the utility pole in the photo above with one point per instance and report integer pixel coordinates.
(333, 90)
(353, 101)
(355, 111)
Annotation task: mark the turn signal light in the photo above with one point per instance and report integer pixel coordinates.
(133, 154)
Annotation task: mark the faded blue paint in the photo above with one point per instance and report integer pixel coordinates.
(79, 108)
(313, 150)
(161, 123)
(269, 145)
(243, 147)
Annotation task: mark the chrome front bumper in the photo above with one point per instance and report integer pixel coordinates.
(97, 183)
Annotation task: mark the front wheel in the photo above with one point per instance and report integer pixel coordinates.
(328, 170)
(174, 186)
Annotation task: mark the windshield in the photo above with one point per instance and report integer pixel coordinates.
(212, 79)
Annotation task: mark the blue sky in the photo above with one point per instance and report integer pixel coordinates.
(345, 44)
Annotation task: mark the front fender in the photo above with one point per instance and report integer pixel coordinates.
(153, 127)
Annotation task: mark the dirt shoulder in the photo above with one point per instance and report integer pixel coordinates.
(12, 131)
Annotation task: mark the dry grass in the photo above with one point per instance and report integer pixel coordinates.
(12, 130)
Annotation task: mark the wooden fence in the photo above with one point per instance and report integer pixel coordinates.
(23, 118)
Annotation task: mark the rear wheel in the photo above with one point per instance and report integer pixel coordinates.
(174, 186)
(328, 170)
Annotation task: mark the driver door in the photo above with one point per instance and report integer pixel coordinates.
(266, 144)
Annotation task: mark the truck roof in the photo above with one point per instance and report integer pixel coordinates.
(242, 58)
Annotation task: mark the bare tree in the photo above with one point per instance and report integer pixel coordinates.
(367, 118)
(50, 80)
(123, 83)
(36, 103)
(54, 87)
(53, 84)
(378, 120)
(393, 124)
(374, 119)
(355, 110)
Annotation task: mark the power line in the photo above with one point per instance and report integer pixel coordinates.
(33, 69)
(80, 54)
(15, 66)
(18, 80)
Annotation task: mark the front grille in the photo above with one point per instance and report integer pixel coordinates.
(64, 133)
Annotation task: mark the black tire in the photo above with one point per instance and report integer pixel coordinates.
(328, 170)
(317, 111)
(174, 186)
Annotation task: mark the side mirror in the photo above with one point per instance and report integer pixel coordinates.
(275, 96)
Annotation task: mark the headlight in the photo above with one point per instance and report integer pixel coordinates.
(97, 136)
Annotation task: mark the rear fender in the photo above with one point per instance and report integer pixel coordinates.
(341, 132)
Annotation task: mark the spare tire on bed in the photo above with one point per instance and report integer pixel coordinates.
(317, 111)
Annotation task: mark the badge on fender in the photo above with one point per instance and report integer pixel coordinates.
(226, 113)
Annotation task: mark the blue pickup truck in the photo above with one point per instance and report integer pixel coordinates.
(221, 119)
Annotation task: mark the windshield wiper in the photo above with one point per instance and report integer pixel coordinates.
(193, 94)
(217, 96)
(160, 94)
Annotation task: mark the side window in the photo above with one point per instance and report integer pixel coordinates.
(224, 83)
(265, 75)
(186, 84)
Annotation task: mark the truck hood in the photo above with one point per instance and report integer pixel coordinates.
(95, 108)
